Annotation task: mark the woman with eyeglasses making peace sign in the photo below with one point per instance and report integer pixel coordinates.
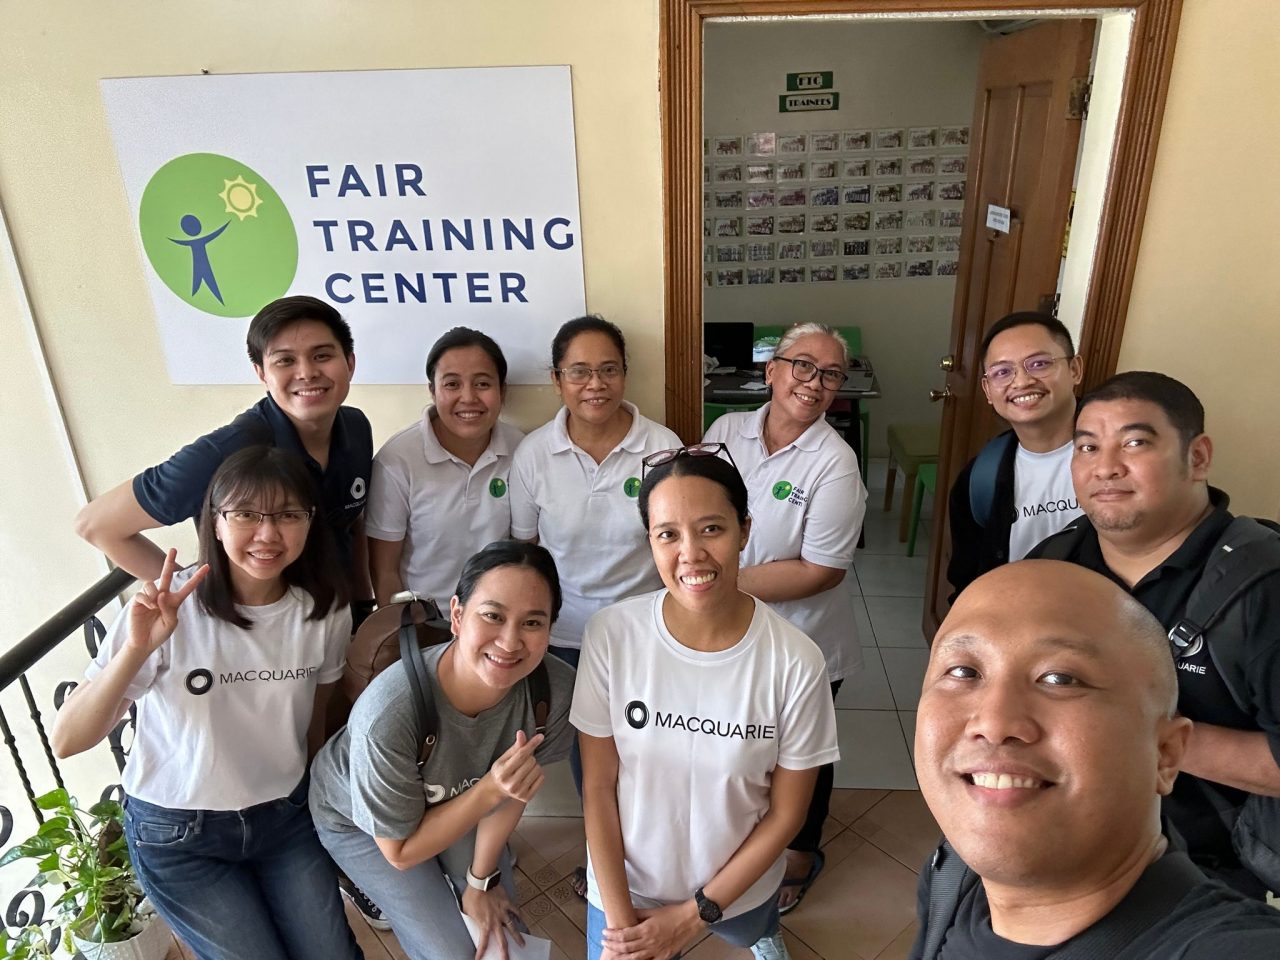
(807, 504)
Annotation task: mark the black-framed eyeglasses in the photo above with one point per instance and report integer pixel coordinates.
(1039, 366)
(692, 450)
(806, 370)
(581, 373)
(245, 519)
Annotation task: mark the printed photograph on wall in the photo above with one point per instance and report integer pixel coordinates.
(825, 141)
(791, 274)
(855, 271)
(954, 136)
(759, 251)
(706, 228)
(824, 197)
(857, 248)
(759, 226)
(888, 193)
(729, 227)
(791, 171)
(792, 250)
(888, 269)
(727, 146)
(919, 268)
(950, 218)
(888, 220)
(858, 221)
(793, 223)
(890, 138)
(916, 166)
(819, 249)
(947, 243)
(922, 138)
(728, 199)
(857, 193)
(729, 253)
(888, 167)
(758, 275)
(857, 169)
(792, 198)
(953, 165)
(951, 190)
(759, 198)
(920, 191)
(728, 173)
(921, 218)
(948, 268)
(920, 244)
(760, 173)
(823, 274)
(708, 278)
(885, 247)
(728, 278)
(761, 144)
(824, 222)
(706, 173)
(857, 140)
(793, 143)
(823, 169)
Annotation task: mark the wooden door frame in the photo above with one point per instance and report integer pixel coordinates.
(1146, 84)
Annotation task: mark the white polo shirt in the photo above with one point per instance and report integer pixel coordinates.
(807, 501)
(587, 516)
(698, 737)
(443, 508)
(222, 711)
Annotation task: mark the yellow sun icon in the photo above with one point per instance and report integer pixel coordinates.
(240, 197)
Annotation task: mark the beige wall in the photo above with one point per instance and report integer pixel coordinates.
(1206, 300)
(888, 75)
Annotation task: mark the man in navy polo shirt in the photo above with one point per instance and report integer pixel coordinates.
(302, 350)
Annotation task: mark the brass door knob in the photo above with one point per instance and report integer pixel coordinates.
(947, 363)
(943, 394)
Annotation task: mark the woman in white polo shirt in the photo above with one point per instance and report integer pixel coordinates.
(703, 717)
(439, 487)
(807, 504)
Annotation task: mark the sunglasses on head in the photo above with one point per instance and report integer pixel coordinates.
(692, 450)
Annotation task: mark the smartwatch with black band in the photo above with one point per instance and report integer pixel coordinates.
(483, 884)
(708, 909)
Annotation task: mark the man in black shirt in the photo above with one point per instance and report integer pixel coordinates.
(1044, 742)
(1152, 524)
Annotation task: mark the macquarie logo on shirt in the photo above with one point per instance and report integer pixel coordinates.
(1063, 505)
(435, 792)
(639, 717)
(200, 681)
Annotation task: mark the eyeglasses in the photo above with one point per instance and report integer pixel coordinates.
(246, 519)
(581, 373)
(693, 450)
(804, 371)
(1038, 366)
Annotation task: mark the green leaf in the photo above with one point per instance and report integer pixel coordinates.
(54, 799)
(107, 810)
(51, 862)
(59, 824)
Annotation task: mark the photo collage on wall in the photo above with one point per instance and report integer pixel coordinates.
(828, 206)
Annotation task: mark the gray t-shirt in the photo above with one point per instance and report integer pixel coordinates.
(366, 777)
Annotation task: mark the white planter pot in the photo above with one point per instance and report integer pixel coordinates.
(151, 944)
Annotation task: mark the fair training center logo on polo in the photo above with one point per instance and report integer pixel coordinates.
(218, 234)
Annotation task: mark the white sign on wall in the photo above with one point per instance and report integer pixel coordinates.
(413, 200)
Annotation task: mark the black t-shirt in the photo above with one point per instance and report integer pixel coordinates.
(1208, 922)
(1200, 809)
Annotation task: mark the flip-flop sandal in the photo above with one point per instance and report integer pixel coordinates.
(804, 883)
(578, 882)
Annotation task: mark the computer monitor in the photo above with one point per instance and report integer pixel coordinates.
(730, 343)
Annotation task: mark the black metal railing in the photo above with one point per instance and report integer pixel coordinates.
(80, 615)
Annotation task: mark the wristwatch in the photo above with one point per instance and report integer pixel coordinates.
(484, 884)
(708, 909)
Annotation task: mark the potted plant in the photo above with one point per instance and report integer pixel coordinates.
(83, 859)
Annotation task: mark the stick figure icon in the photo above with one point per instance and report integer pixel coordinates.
(201, 268)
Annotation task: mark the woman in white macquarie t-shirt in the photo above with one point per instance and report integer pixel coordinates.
(807, 504)
(438, 492)
(703, 717)
(231, 688)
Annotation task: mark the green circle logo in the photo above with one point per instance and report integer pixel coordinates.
(218, 234)
(782, 490)
(497, 487)
(631, 487)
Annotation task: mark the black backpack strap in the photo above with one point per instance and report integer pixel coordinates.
(982, 478)
(540, 696)
(416, 671)
(1063, 544)
(1247, 551)
(1160, 888)
(949, 880)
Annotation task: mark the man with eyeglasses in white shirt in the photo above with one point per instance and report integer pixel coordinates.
(1018, 490)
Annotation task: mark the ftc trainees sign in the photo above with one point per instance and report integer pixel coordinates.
(413, 200)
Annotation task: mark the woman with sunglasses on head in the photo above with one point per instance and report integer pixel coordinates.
(416, 835)
(231, 687)
(438, 491)
(703, 717)
(807, 505)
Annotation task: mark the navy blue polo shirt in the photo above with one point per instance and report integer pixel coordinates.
(174, 491)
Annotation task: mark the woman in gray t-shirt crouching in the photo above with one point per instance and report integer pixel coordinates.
(410, 838)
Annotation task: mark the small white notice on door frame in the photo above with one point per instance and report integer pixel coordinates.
(998, 217)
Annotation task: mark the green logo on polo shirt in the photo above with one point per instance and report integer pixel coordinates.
(782, 490)
(631, 487)
(497, 487)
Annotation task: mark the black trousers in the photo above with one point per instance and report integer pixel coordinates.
(810, 836)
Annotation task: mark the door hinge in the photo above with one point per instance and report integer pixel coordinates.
(1049, 304)
(1078, 98)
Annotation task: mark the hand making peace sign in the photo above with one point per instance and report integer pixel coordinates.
(154, 613)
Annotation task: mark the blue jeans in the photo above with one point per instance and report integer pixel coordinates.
(745, 930)
(250, 884)
(571, 656)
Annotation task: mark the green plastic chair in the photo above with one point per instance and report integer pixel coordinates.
(853, 337)
(711, 412)
(926, 479)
